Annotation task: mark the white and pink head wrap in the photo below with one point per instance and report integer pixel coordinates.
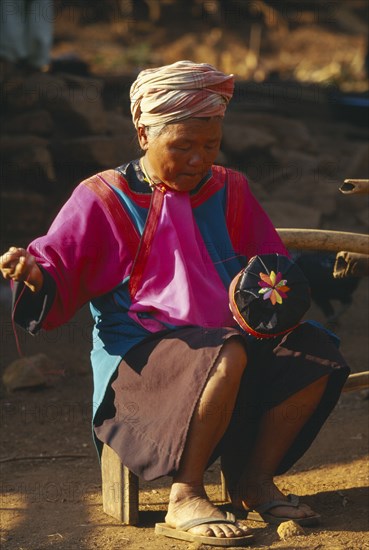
(182, 90)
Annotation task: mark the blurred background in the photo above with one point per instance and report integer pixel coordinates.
(308, 41)
(297, 125)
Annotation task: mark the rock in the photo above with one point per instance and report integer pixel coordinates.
(26, 160)
(238, 138)
(289, 214)
(92, 86)
(36, 163)
(24, 216)
(15, 97)
(38, 90)
(126, 149)
(289, 529)
(69, 63)
(96, 151)
(221, 159)
(305, 189)
(5, 294)
(359, 165)
(323, 194)
(297, 162)
(346, 19)
(38, 122)
(116, 92)
(258, 190)
(79, 111)
(290, 134)
(362, 216)
(10, 144)
(119, 125)
(29, 372)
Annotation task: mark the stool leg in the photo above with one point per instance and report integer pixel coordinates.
(119, 488)
(224, 490)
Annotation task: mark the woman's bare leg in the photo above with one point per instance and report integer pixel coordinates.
(188, 499)
(278, 429)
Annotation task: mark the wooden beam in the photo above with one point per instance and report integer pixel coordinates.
(357, 381)
(357, 187)
(320, 239)
(350, 264)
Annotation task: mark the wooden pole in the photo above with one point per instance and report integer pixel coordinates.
(357, 381)
(320, 239)
(350, 264)
(358, 187)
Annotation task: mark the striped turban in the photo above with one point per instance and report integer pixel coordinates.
(182, 90)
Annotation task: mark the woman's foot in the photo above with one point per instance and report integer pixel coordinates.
(254, 494)
(189, 502)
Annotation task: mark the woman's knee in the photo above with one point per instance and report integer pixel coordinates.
(233, 359)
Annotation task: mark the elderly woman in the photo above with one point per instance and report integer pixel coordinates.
(153, 246)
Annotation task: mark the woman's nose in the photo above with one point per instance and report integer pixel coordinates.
(195, 159)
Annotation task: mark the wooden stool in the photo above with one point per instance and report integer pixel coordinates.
(120, 488)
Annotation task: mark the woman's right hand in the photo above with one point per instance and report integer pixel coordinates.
(18, 264)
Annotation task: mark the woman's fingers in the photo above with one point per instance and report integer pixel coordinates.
(8, 261)
(22, 269)
(16, 264)
(9, 257)
(19, 265)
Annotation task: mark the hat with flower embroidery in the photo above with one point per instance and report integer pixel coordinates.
(269, 297)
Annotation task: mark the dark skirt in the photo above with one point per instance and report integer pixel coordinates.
(148, 408)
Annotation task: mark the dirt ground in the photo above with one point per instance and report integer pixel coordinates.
(50, 475)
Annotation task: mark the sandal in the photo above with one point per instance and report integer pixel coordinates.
(260, 513)
(181, 532)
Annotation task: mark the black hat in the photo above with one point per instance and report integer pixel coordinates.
(269, 296)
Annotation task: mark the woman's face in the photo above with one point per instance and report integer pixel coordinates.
(182, 154)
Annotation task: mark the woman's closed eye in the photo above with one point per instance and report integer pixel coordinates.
(207, 147)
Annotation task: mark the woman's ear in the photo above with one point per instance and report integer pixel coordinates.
(143, 138)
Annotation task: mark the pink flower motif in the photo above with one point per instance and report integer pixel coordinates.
(273, 287)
